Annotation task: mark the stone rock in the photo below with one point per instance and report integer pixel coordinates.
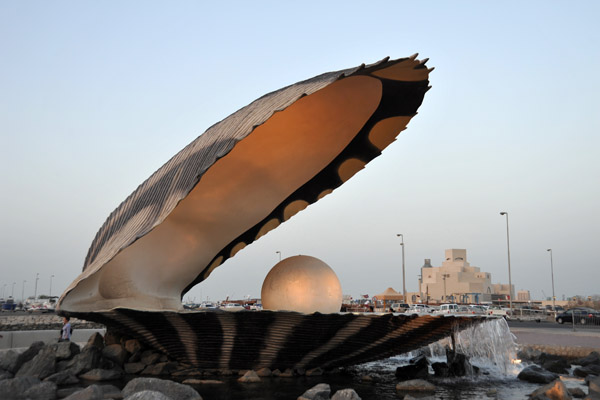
(111, 392)
(41, 391)
(576, 392)
(366, 378)
(537, 374)
(66, 392)
(65, 350)
(171, 389)
(133, 346)
(276, 373)
(415, 385)
(594, 388)
(96, 340)
(62, 378)
(263, 372)
(555, 390)
(135, 357)
(111, 337)
(40, 366)
(149, 357)
(318, 392)
(85, 361)
(8, 362)
(529, 354)
(163, 358)
(590, 369)
(92, 392)
(5, 375)
(28, 354)
(345, 394)
(314, 372)
(148, 395)
(134, 368)
(288, 373)
(458, 364)
(9, 388)
(249, 377)
(101, 375)
(164, 368)
(116, 353)
(558, 366)
(592, 358)
(417, 369)
(440, 369)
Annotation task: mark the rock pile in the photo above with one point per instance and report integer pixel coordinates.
(36, 322)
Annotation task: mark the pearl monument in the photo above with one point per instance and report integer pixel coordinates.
(304, 284)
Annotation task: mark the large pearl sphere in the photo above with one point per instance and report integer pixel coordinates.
(304, 284)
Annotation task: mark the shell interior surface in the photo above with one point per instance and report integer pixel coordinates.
(240, 179)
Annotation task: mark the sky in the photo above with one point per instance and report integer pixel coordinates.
(96, 96)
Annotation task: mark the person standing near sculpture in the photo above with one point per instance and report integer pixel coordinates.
(66, 331)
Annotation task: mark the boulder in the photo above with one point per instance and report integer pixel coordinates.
(135, 357)
(115, 353)
(92, 392)
(62, 378)
(263, 372)
(61, 393)
(345, 394)
(576, 392)
(5, 375)
(88, 359)
(318, 392)
(163, 368)
(592, 358)
(314, 372)
(28, 354)
(111, 392)
(133, 346)
(555, 390)
(64, 350)
(171, 389)
(148, 395)
(41, 391)
(537, 374)
(112, 337)
(249, 377)
(590, 369)
(8, 361)
(101, 375)
(458, 364)
(10, 387)
(415, 385)
(529, 354)
(149, 357)
(558, 366)
(288, 373)
(134, 368)
(417, 369)
(194, 381)
(440, 369)
(594, 388)
(40, 366)
(96, 340)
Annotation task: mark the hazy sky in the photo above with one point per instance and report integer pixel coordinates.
(96, 96)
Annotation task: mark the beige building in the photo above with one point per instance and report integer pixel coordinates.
(456, 280)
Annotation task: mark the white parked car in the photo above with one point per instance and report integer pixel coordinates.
(233, 307)
(497, 311)
(448, 309)
(421, 309)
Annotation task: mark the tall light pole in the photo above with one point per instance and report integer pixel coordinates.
(510, 297)
(278, 252)
(23, 292)
(51, 276)
(444, 276)
(37, 276)
(12, 293)
(401, 236)
(552, 272)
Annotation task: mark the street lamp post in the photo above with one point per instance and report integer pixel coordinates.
(278, 252)
(400, 235)
(23, 292)
(51, 276)
(552, 272)
(12, 293)
(37, 276)
(510, 296)
(444, 276)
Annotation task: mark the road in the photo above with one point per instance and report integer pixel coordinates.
(553, 325)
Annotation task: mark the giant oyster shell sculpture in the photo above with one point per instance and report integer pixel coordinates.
(237, 181)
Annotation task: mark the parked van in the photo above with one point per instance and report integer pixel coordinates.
(448, 309)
